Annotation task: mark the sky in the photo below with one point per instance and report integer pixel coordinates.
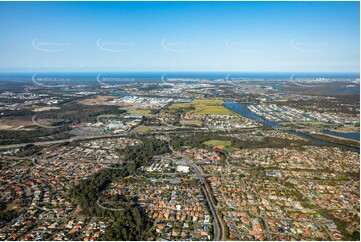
(180, 36)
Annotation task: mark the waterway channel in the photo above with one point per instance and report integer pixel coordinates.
(243, 111)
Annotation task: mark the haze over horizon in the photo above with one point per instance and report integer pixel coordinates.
(180, 37)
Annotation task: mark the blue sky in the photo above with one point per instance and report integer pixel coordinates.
(180, 36)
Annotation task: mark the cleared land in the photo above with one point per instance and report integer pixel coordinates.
(209, 106)
(204, 109)
(144, 129)
(15, 124)
(98, 100)
(187, 122)
(41, 109)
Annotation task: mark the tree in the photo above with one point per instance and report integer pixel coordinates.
(131, 167)
(356, 236)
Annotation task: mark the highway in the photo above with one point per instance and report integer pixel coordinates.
(77, 138)
(52, 142)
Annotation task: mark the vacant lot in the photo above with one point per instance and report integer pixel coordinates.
(98, 100)
(41, 109)
(11, 124)
(205, 109)
(144, 129)
(190, 122)
(210, 106)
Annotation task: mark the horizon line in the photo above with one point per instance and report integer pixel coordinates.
(158, 71)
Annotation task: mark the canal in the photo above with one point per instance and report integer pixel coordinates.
(243, 111)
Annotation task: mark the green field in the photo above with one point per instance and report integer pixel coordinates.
(226, 144)
(211, 102)
(180, 105)
(108, 116)
(208, 106)
(204, 106)
(145, 112)
(206, 109)
(144, 129)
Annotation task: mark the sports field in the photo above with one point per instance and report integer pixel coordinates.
(227, 145)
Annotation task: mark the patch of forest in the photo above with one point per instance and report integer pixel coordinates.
(197, 139)
(131, 223)
(62, 118)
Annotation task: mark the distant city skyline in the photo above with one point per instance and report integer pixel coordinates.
(180, 36)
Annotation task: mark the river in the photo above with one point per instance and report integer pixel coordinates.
(350, 135)
(243, 111)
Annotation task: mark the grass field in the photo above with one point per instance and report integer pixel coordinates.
(211, 102)
(144, 129)
(204, 106)
(108, 116)
(197, 123)
(347, 129)
(226, 144)
(206, 109)
(210, 106)
(144, 112)
(179, 105)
